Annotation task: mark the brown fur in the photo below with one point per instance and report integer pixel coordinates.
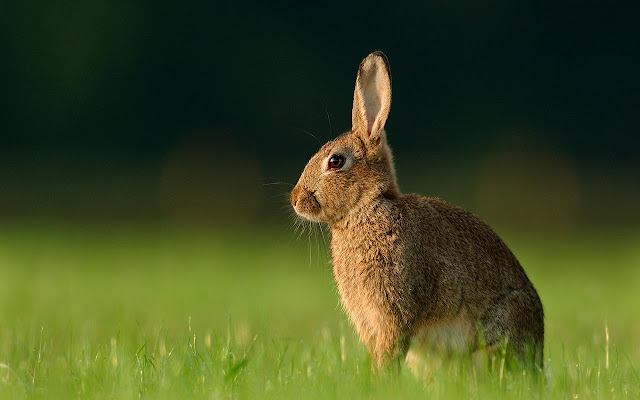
(408, 266)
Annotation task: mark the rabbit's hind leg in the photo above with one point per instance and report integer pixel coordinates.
(514, 327)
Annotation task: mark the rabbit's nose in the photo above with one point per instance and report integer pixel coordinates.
(295, 196)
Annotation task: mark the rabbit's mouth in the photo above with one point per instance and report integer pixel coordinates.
(305, 204)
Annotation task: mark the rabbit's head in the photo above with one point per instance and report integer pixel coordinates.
(349, 172)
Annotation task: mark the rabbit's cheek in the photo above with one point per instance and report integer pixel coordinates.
(341, 202)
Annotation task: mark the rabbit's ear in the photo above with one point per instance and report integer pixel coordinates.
(372, 98)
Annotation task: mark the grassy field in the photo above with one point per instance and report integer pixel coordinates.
(118, 311)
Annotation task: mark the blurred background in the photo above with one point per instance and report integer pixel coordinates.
(524, 112)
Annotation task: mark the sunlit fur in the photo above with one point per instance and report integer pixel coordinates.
(410, 267)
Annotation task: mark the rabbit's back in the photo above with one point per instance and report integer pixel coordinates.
(460, 250)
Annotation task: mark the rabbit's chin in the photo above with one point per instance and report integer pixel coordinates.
(310, 217)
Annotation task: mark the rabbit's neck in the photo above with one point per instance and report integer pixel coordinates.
(365, 223)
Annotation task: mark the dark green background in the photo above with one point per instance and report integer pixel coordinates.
(524, 112)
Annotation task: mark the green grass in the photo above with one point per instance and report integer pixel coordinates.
(167, 312)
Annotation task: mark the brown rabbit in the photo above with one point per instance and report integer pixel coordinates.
(409, 266)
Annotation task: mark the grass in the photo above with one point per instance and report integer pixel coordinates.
(118, 311)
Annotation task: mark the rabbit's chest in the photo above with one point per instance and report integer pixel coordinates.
(362, 296)
(370, 286)
(364, 272)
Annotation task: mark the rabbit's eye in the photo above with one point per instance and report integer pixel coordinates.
(336, 162)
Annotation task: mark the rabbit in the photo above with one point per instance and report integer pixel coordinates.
(406, 266)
